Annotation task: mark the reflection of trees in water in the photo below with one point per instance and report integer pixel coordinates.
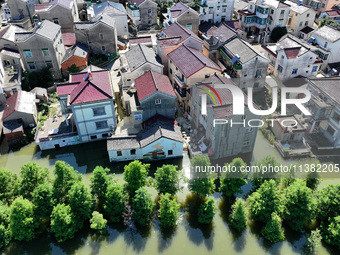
(197, 233)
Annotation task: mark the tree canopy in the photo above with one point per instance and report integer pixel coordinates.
(114, 202)
(168, 211)
(142, 206)
(206, 211)
(135, 175)
(63, 223)
(167, 179)
(232, 183)
(238, 218)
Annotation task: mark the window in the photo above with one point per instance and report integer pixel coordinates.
(119, 153)
(133, 152)
(307, 15)
(211, 10)
(170, 71)
(323, 5)
(45, 52)
(315, 68)
(295, 71)
(101, 36)
(28, 53)
(336, 117)
(93, 137)
(157, 101)
(170, 152)
(300, 25)
(246, 143)
(280, 23)
(224, 9)
(330, 130)
(282, 12)
(271, 11)
(31, 65)
(105, 135)
(325, 46)
(101, 124)
(218, 8)
(279, 68)
(98, 111)
(270, 22)
(103, 48)
(189, 26)
(249, 129)
(149, 11)
(56, 21)
(49, 64)
(306, 23)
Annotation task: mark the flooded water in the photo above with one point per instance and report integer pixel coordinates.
(189, 237)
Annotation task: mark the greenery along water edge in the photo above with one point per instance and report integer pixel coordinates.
(35, 202)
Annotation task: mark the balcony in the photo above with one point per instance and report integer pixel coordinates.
(235, 66)
(261, 15)
(180, 81)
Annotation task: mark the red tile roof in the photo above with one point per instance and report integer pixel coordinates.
(10, 107)
(178, 9)
(69, 39)
(333, 13)
(292, 53)
(176, 29)
(93, 89)
(142, 39)
(137, 2)
(152, 82)
(190, 61)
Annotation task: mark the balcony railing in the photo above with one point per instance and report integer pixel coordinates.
(236, 66)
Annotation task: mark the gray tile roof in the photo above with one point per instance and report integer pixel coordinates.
(122, 143)
(109, 8)
(139, 55)
(9, 34)
(48, 29)
(329, 86)
(105, 19)
(241, 48)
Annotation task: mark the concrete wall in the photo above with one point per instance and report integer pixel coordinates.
(61, 142)
(333, 48)
(86, 121)
(130, 77)
(27, 119)
(189, 17)
(298, 22)
(226, 8)
(147, 19)
(166, 108)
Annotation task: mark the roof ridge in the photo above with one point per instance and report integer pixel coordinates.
(194, 55)
(154, 81)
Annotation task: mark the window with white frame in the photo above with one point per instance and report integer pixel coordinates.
(101, 125)
(45, 52)
(157, 101)
(98, 111)
(28, 53)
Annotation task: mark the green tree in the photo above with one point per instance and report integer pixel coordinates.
(9, 186)
(167, 179)
(32, 175)
(73, 69)
(63, 224)
(142, 206)
(313, 242)
(97, 221)
(298, 204)
(232, 186)
(135, 176)
(81, 203)
(258, 179)
(238, 217)
(331, 231)
(42, 198)
(273, 229)
(277, 33)
(99, 182)
(328, 200)
(66, 176)
(114, 204)
(22, 220)
(201, 184)
(5, 234)
(168, 212)
(207, 211)
(265, 201)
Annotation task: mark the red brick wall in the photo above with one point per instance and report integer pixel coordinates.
(14, 136)
(74, 60)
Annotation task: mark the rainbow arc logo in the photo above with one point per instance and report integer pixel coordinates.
(210, 94)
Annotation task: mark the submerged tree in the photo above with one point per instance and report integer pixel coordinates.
(273, 229)
(258, 179)
(331, 231)
(100, 180)
(42, 198)
(328, 202)
(167, 179)
(114, 205)
(97, 221)
(9, 185)
(63, 224)
(298, 204)
(135, 175)
(21, 218)
(231, 185)
(142, 206)
(238, 218)
(207, 211)
(313, 242)
(5, 233)
(168, 212)
(265, 201)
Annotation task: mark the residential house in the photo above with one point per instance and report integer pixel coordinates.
(215, 38)
(13, 130)
(184, 15)
(136, 61)
(291, 57)
(292, 131)
(40, 94)
(327, 5)
(61, 12)
(88, 97)
(21, 12)
(6, 11)
(187, 66)
(219, 140)
(7, 37)
(158, 141)
(145, 40)
(263, 16)
(327, 38)
(142, 13)
(173, 37)
(325, 108)
(11, 71)
(243, 63)
(306, 32)
(333, 14)
(155, 95)
(216, 11)
(113, 10)
(77, 55)
(21, 107)
(100, 36)
(42, 47)
(299, 17)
